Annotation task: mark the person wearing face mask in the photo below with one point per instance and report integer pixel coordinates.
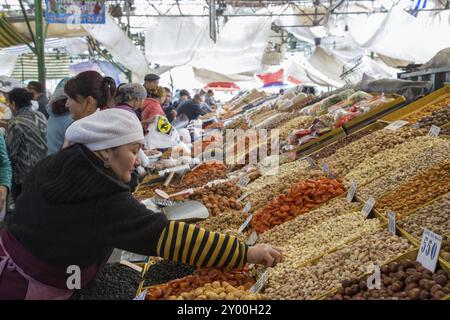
(88, 92)
(26, 137)
(82, 196)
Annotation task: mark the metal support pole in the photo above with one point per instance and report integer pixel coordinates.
(39, 22)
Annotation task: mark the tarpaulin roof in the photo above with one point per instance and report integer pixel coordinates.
(8, 34)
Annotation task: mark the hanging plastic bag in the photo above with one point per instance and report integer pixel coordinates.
(161, 134)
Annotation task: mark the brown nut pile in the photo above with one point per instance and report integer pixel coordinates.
(437, 118)
(351, 261)
(218, 290)
(299, 122)
(278, 121)
(423, 188)
(326, 236)
(445, 249)
(204, 173)
(391, 159)
(219, 198)
(435, 217)
(282, 234)
(355, 153)
(402, 280)
(332, 148)
(228, 222)
(438, 152)
(413, 118)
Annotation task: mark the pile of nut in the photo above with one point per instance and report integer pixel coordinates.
(228, 223)
(282, 234)
(199, 279)
(445, 249)
(390, 160)
(349, 262)
(326, 236)
(332, 148)
(300, 122)
(351, 155)
(278, 121)
(218, 290)
(437, 118)
(437, 153)
(204, 173)
(218, 198)
(413, 118)
(423, 188)
(435, 217)
(301, 198)
(402, 280)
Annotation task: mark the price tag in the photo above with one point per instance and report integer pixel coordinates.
(245, 224)
(312, 163)
(261, 283)
(391, 222)
(245, 195)
(351, 192)
(434, 131)
(396, 125)
(141, 296)
(251, 240)
(370, 203)
(326, 169)
(429, 249)
(243, 182)
(247, 207)
(415, 125)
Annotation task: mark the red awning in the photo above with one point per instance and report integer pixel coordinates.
(272, 77)
(294, 80)
(222, 86)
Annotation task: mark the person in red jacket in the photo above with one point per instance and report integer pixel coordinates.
(152, 106)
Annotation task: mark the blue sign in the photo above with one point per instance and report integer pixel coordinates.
(75, 12)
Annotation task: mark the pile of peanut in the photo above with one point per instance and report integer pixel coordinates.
(218, 291)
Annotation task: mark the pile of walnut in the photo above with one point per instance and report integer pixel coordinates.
(218, 291)
(204, 173)
(234, 277)
(404, 280)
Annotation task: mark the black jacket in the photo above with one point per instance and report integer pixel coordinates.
(191, 109)
(73, 211)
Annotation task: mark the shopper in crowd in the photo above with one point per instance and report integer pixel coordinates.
(193, 108)
(5, 177)
(26, 137)
(82, 196)
(130, 96)
(59, 120)
(183, 95)
(209, 99)
(38, 91)
(87, 92)
(151, 81)
(152, 106)
(168, 107)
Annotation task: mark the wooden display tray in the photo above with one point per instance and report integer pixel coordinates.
(411, 254)
(374, 114)
(418, 105)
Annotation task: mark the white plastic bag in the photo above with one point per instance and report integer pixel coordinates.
(161, 134)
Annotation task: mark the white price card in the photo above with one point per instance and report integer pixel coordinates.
(434, 131)
(245, 224)
(391, 222)
(326, 170)
(351, 192)
(245, 195)
(243, 182)
(261, 283)
(251, 240)
(312, 163)
(141, 296)
(368, 206)
(396, 125)
(247, 207)
(429, 249)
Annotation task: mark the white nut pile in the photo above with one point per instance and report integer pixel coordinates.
(326, 236)
(435, 217)
(438, 153)
(300, 122)
(349, 262)
(283, 233)
(346, 158)
(389, 160)
(227, 222)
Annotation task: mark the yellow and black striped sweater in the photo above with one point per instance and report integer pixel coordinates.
(73, 211)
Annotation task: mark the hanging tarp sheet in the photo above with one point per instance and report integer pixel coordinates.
(75, 12)
(8, 34)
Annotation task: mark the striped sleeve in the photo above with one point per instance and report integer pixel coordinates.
(190, 244)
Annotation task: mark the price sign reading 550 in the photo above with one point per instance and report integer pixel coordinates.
(429, 249)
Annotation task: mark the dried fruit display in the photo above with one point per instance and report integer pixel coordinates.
(228, 222)
(204, 173)
(299, 122)
(414, 117)
(402, 280)
(218, 290)
(423, 188)
(301, 198)
(438, 118)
